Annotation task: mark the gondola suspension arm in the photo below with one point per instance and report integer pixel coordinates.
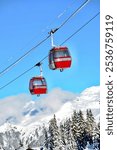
(40, 67)
(52, 36)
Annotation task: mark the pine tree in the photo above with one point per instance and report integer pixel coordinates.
(46, 142)
(96, 136)
(69, 139)
(74, 125)
(54, 136)
(75, 129)
(90, 121)
(81, 135)
(62, 136)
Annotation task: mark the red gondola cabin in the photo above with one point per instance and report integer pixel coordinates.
(59, 58)
(38, 85)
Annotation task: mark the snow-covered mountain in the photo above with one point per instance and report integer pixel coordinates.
(66, 103)
(25, 123)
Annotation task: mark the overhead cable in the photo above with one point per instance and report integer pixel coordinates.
(77, 31)
(28, 52)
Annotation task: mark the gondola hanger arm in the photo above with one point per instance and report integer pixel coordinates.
(40, 67)
(51, 36)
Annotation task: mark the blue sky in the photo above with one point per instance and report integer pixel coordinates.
(26, 22)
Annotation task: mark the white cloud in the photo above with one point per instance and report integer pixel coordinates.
(56, 98)
(46, 105)
(12, 106)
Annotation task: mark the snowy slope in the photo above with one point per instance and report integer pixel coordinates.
(89, 99)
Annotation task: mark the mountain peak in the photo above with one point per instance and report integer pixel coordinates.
(91, 90)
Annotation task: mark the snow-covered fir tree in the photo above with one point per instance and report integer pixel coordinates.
(62, 135)
(74, 125)
(81, 137)
(46, 140)
(69, 139)
(90, 122)
(96, 137)
(54, 136)
(74, 129)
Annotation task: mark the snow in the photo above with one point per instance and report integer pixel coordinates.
(68, 102)
(89, 99)
(7, 127)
